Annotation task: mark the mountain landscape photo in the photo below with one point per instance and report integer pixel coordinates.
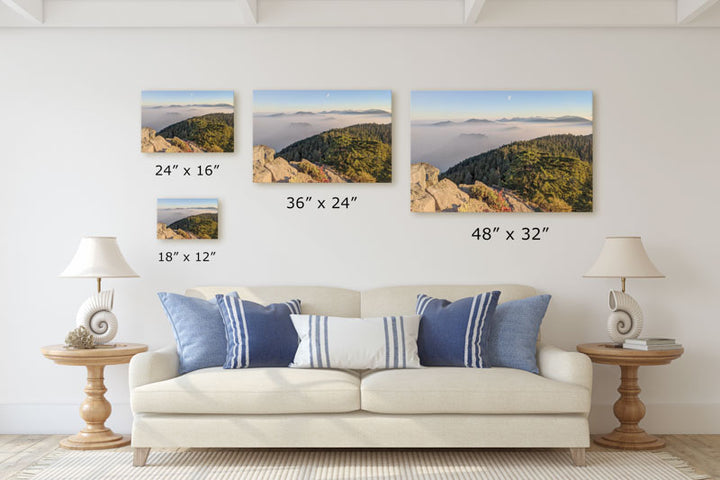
(502, 151)
(184, 121)
(187, 219)
(322, 136)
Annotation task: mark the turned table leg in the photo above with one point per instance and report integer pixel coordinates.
(629, 410)
(95, 409)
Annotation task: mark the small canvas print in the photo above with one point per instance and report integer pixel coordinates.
(322, 136)
(187, 219)
(188, 121)
(502, 151)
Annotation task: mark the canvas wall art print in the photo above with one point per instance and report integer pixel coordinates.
(187, 219)
(188, 121)
(502, 151)
(322, 136)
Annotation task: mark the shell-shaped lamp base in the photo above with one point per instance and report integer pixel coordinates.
(626, 319)
(96, 315)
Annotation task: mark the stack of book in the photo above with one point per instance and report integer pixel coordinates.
(651, 344)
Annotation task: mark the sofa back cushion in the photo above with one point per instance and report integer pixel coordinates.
(401, 300)
(315, 300)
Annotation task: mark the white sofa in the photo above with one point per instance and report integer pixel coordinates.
(434, 407)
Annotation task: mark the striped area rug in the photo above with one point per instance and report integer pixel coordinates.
(357, 464)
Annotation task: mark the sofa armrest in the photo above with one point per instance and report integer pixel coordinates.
(569, 367)
(151, 367)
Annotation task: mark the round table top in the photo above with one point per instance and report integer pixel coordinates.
(113, 354)
(612, 354)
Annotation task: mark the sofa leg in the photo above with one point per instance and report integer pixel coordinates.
(140, 456)
(578, 456)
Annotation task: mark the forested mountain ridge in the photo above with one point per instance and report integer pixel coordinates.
(553, 172)
(362, 152)
(204, 225)
(213, 132)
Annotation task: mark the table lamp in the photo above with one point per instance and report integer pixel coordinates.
(98, 257)
(623, 258)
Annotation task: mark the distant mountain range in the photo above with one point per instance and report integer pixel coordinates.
(372, 111)
(563, 119)
(553, 173)
(223, 105)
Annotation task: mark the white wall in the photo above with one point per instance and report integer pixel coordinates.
(70, 165)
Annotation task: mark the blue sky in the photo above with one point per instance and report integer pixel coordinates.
(153, 98)
(164, 203)
(275, 101)
(495, 104)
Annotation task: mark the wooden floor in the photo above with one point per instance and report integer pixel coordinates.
(20, 451)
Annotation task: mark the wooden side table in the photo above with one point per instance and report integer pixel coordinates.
(629, 410)
(95, 409)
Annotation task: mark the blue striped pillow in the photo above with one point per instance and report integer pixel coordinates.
(454, 334)
(257, 335)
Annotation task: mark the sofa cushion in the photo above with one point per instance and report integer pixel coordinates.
(251, 391)
(469, 390)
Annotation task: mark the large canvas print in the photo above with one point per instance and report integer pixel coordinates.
(187, 219)
(502, 151)
(322, 136)
(188, 121)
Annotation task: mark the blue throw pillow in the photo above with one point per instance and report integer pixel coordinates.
(199, 331)
(258, 336)
(454, 334)
(514, 332)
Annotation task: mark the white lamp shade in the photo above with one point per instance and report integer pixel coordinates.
(623, 257)
(98, 257)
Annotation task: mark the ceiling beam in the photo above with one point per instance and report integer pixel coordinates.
(359, 13)
(689, 10)
(147, 13)
(250, 10)
(472, 10)
(29, 9)
(578, 13)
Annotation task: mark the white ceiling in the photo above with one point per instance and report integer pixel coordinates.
(359, 13)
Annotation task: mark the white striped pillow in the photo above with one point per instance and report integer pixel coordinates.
(356, 343)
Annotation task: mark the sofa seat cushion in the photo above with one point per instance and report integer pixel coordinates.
(469, 390)
(252, 391)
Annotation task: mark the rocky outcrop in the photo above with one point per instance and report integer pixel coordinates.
(448, 197)
(423, 175)
(151, 142)
(334, 177)
(267, 168)
(166, 233)
(427, 194)
(516, 204)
